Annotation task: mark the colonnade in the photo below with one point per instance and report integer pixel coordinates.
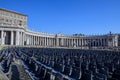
(18, 37)
(12, 38)
(66, 41)
(40, 41)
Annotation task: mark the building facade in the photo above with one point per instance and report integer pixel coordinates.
(13, 31)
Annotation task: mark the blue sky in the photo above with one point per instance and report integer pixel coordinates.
(69, 16)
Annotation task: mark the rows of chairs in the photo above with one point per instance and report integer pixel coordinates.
(79, 64)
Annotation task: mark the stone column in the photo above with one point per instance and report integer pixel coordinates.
(41, 41)
(68, 42)
(116, 40)
(48, 41)
(20, 39)
(77, 42)
(65, 42)
(44, 41)
(38, 41)
(57, 41)
(52, 42)
(11, 38)
(26, 39)
(113, 40)
(23, 38)
(82, 42)
(30, 39)
(71, 42)
(2, 37)
(61, 41)
(33, 40)
(17, 37)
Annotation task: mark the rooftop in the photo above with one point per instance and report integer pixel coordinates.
(13, 12)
